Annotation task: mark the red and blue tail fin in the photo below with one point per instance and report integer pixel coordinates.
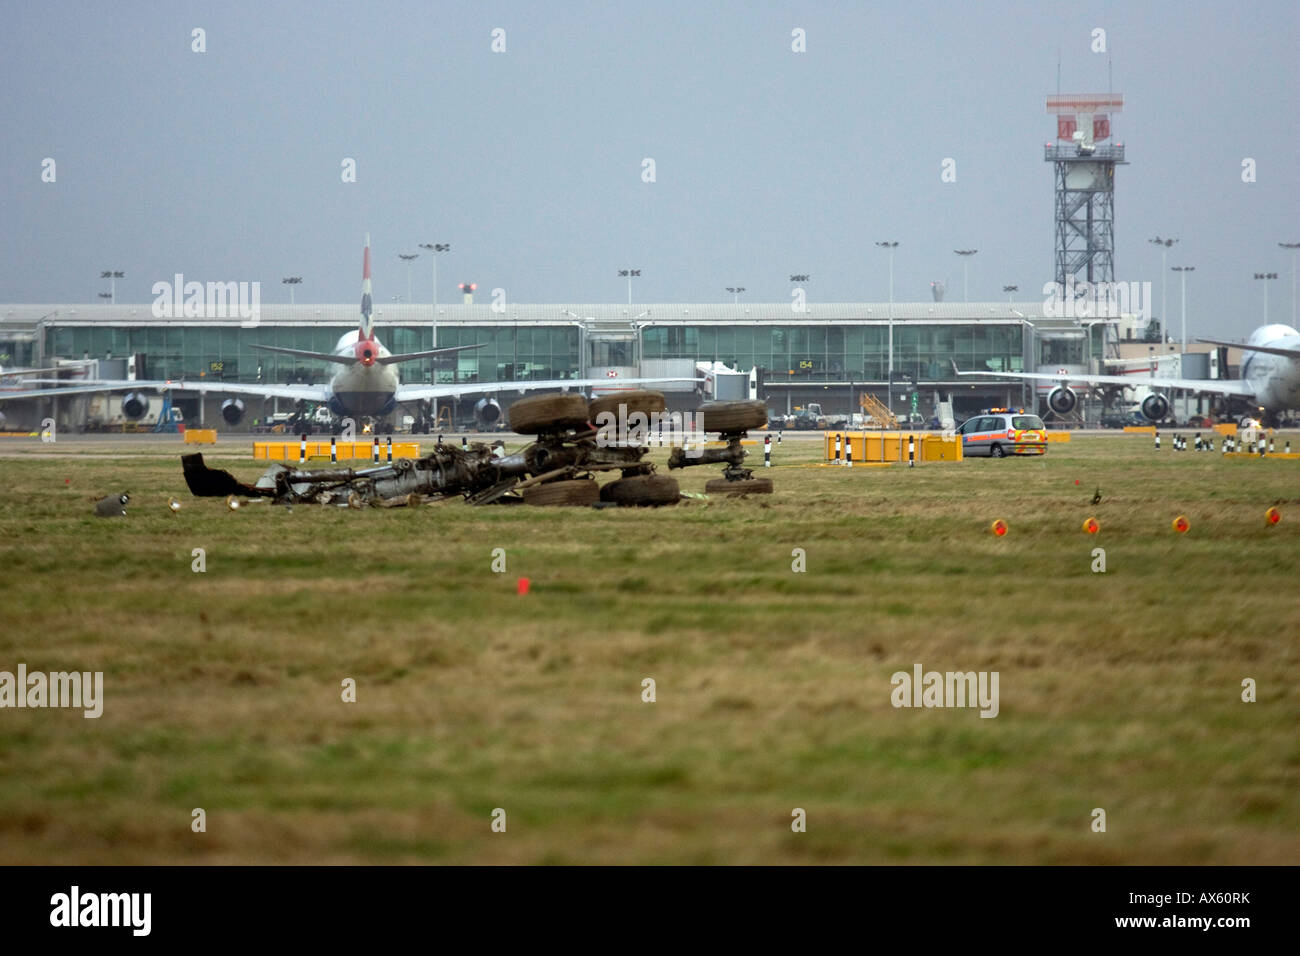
(367, 325)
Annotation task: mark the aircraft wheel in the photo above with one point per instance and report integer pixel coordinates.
(643, 400)
(645, 490)
(747, 486)
(732, 416)
(581, 492)
(543, 413)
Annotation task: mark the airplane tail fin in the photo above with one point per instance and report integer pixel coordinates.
(367, 326)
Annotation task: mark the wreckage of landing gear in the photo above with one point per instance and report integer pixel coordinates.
(733, 420)
(558, 468)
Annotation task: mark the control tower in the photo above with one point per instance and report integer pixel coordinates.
(1085, 185)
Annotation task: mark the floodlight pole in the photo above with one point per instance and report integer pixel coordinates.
(1293, 246)
(630, 274)
(435, 248)
(965, 271)
(891, 246)
(408, 259)
(1164, 275)
(1182, 273)
(112, 275)
(1266, 276)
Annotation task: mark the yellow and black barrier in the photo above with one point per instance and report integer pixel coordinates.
(343, 450)
(875, 447)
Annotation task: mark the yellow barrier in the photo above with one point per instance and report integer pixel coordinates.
(869, 447)
(200, 436)
(1139, 429)
(1228, 428)
(344, 450)
(1057, 437)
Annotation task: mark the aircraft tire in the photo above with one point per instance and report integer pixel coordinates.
(642, 490)
(643, 400)
(732, 416)
(535, 414)
(581, 492)
(747, 486)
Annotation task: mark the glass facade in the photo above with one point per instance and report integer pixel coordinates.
(226, 353)
(1064, 351)
(16, 352)
(817, 353)
(802, 352)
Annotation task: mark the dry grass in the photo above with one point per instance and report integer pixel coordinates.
(1119, 691)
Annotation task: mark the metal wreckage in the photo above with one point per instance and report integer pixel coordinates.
(558, 468)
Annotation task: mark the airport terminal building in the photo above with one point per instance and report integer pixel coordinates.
(827, 353)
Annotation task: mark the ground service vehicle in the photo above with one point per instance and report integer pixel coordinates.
(998, 432)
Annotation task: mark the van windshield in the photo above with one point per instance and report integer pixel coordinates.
(1027, 421)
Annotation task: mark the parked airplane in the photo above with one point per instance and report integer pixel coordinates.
(366, 385)
(1270, 378)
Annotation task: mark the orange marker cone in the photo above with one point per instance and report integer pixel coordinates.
(1091, 525)
(1181, 524)
(1272, 516)
(999, 528)
(523, 586)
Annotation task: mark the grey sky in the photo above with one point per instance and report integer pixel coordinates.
(225, 165)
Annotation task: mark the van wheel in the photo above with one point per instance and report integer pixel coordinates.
(997, 452)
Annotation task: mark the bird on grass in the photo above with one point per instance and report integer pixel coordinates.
(1096, 497)
(114, 506)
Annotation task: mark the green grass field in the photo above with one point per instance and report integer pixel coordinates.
(1119, 690)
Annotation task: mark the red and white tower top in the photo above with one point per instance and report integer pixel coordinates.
(1084, 118)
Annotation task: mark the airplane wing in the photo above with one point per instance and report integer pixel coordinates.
(306, 393)
(413, 393)
(1206, 386)
(1270, 349)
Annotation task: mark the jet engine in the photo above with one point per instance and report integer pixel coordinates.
(1155, 407)
(232, 410)
(135, 405)
(486, 413)
(1062, 400)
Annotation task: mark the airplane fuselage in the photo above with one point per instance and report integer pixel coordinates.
(1275, 378)
(364, 388)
